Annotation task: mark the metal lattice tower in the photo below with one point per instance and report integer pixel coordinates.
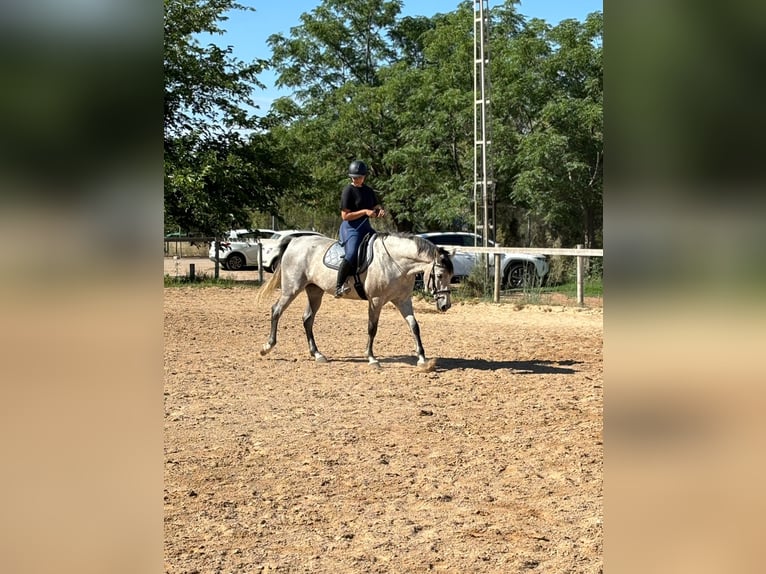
(484, 185)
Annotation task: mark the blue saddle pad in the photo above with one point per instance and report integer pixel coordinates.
(335, 254)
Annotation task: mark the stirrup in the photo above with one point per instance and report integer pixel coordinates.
(341, 291)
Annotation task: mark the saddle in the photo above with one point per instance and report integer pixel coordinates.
(335, 253)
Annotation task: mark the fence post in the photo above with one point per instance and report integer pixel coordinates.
(496, 297)
(580, 296)
(192, 272)
(217, 249)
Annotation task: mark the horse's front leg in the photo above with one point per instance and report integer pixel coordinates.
(314, 294)
(405, 308)
(373, 315)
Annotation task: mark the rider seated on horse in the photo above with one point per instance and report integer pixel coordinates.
(358, 202)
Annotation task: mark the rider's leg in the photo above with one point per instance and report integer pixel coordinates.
(348, 264)
(344, 271)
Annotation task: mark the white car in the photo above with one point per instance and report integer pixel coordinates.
(243, 252)
(249, 235)
(518, 269)
(240, 248)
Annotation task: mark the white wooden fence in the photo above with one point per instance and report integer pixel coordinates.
(497, 252)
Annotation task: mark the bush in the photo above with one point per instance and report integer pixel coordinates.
(477, 284)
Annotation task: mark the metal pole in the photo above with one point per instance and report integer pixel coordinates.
(484, 218)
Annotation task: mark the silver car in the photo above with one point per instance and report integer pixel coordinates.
(518, 269)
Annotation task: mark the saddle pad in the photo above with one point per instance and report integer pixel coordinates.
(334, 254)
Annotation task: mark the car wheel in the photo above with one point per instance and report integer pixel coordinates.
(519, 275)
(235, 262)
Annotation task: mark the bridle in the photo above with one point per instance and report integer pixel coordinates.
(432, 281)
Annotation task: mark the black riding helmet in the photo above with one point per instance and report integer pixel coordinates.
(357, 168)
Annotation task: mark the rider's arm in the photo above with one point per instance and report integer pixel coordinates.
(348, 215)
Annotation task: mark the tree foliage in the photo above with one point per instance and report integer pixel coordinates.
(214, 175)
(396, 92)
(559, 157)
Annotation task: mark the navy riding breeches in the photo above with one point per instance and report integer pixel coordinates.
(351, 237)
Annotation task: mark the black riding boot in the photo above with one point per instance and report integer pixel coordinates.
(344, 271)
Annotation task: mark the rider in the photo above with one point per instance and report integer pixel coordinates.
(358, 202)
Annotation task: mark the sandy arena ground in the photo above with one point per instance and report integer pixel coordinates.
(490, 462)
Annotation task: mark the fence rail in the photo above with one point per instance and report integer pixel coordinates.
(497, 252)
(579, 252)
(533, 250)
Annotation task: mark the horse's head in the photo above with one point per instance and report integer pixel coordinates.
(439, 280)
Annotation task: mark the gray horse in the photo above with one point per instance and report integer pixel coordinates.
(390, 276)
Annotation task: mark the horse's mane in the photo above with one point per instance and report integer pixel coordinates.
(424, 247)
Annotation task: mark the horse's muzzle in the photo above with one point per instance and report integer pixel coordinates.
(443, 302)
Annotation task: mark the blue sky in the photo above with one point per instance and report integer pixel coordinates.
(247, 31)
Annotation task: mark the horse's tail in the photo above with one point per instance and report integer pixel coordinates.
(271, 285)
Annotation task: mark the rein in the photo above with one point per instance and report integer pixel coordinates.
(391, 257)
(431, 276)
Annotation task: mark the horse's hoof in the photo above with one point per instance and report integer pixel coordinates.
(320, 358)
(426, 366)
(265, 349)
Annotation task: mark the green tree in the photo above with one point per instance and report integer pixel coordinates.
(396, 93)
(338, 42)
(431, 167)
(206, 88)
(558, 162)
(332, 61)
(214, 175)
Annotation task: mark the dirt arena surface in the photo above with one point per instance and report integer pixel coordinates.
(490, 462)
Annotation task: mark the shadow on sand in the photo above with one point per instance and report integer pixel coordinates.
(450, 363)
(520, 367)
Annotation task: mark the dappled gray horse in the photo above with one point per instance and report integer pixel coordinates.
(390, 276)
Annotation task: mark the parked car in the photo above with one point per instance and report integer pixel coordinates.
(241, 253)
(248, 235)
(518, 269)
(237, 245)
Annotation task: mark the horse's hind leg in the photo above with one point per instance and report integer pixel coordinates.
(315, 295)
(276, 312)
(405, 308)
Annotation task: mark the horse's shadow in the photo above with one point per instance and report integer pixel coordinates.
(535, 367)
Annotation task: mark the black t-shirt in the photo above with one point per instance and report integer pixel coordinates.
(355, 198)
